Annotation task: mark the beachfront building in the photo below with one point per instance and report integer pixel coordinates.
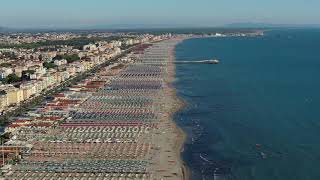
(14, 95)
(5, 71)
(90, 47)
(3, 100)
(60, 62)
(28, 89)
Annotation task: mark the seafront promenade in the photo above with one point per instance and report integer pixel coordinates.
(115, 124)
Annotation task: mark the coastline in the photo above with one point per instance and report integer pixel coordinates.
(169, 138)
(179, 104)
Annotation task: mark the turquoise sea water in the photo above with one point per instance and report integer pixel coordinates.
(256, 115)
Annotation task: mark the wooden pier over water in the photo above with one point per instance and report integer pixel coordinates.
(209, 61)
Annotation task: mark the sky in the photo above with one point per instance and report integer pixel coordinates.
(151, 13)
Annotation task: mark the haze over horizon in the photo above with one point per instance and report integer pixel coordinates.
(144, 13)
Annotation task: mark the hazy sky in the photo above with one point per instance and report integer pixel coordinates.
(88, 13)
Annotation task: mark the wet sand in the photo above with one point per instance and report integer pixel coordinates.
(168, 164)
(180, 104)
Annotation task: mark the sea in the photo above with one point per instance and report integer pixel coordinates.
(256, 114)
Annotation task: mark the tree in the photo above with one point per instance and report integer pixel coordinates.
(5, 65)
(10, 55)
(40, 57)
(28, 72)
(58, 57)
(49, 65)
(11, 78)
(71, 58)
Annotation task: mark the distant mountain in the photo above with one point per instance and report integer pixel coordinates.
(266, 25)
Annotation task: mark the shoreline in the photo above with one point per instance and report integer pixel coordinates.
(179, 105)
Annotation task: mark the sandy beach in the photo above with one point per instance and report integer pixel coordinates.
(169, 164)
(124, 128)
(179, 104)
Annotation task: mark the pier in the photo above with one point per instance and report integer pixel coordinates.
(208, 61)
